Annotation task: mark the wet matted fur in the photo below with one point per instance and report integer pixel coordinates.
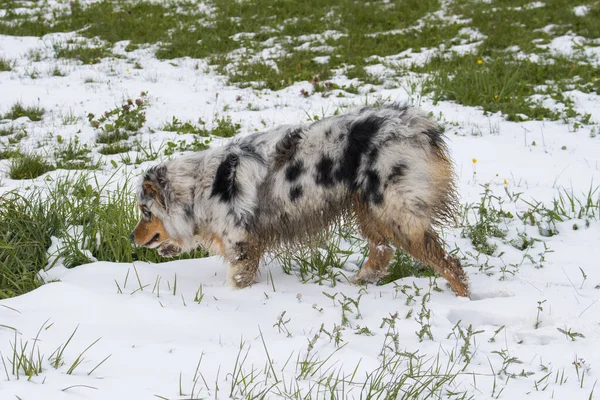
(388, 168)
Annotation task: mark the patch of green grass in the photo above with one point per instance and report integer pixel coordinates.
(8, 153)
(403, 265)
(115, 148)
(17, 137)
(6, 64)
(83, 52)
(183, 128)
(225, 127)
(28, 166)
(131, 47)
(515, 23)
(28, 225)
(139, 22)
(112, 137)
(17, 110)
(31, 219)
(181, 30)
(295, 67)
(69, 118)
(7, 130)
(56, 71)
(74, 155)
(181, 146)
(488, 217)
(506, 84)
(120, 122)
(496, 79)
(33, 74)
(359, 28)
(35, 55)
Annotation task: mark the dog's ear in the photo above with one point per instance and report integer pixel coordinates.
(154, 191)
(156, 186)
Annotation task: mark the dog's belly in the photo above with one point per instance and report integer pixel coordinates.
(283, 219)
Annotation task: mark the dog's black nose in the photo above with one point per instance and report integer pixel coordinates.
(131, 238)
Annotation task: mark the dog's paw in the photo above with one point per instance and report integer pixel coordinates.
(242, 280)
(367, 275)
(169, 250)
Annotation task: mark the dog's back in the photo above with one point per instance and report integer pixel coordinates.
(385, 159)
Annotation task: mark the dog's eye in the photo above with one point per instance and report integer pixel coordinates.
(146, 213)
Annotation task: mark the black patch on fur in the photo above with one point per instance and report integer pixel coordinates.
(360, 136)
(225, 185)
(293, 172)
(296, 192)
(188, 209)
(328, 133)
(372, 191)
(436, 138)
(398, 171)
(373, 156)
(325, 172)
(286, 148)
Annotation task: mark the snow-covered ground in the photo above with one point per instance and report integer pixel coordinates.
(161, 343)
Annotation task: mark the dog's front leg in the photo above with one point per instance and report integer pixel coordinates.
(244, 263)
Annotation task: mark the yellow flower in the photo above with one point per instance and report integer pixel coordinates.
(495, 96)
(505, 182)
(479, 62)
(474, 161)
(91, 62)
(127, 70)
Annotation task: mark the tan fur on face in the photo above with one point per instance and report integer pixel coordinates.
(146, 230)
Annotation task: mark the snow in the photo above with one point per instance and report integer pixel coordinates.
(572, 45)
(581, 11)
(156, 334)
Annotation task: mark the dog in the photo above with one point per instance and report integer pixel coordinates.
(387, 168)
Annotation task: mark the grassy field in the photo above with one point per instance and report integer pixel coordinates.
(509, 61)
(94, 92)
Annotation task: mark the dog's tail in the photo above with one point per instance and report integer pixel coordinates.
(426, 136)
(445, 206)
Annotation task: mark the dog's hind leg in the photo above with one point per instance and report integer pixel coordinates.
(380, 253)
(424, 245)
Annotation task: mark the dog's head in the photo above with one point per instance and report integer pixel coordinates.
(152, 201)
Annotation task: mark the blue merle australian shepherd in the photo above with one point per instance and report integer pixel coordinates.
(388, 168)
